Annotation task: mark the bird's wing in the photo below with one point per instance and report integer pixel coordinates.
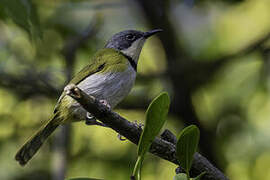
(101, 59)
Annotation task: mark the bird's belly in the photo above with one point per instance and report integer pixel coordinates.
(112, 87)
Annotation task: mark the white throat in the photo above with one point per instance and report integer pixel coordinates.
(134, 50)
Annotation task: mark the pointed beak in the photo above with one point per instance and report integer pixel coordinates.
(150, 33)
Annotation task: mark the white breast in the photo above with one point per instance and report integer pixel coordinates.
(112, 87)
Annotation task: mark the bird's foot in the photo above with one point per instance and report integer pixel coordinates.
(104, 102)
(92, 120)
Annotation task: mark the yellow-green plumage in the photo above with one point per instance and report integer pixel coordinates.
(109, 77)
(105, 60)
(117, 63)
(27, 151)
(100, 65)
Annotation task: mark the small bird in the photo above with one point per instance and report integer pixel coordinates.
(109, 78)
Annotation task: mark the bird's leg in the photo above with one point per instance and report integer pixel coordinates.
(92, 120)
(104, 102)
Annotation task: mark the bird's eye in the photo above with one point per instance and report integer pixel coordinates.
(130, 37)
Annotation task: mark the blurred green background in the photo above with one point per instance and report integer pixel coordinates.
(213, 58)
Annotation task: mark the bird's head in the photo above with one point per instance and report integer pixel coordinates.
(130, 42)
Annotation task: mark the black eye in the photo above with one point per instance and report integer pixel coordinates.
(130, 37)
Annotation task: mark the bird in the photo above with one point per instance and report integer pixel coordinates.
(109, 78)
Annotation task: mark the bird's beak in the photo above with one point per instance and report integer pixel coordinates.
(150, 33)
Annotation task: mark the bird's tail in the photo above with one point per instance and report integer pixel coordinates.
(29, 149)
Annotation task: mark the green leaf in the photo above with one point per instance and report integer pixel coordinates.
(180, 176)
(199, 176)
(186, 146)
(155, 118)
(82, 178)
(23, 13)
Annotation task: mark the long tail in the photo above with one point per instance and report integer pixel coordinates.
(29, 149)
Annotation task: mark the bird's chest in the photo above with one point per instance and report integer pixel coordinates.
(112, 87)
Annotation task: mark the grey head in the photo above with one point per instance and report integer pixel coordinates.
(130, 42)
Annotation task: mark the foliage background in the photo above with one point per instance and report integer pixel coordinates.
(213, 59)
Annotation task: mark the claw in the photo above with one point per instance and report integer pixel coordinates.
(91, 120)
(90, 116)
(104, 102)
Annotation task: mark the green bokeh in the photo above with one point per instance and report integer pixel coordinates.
(234, 104)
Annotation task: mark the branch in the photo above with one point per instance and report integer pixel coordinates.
(160, 147)
(181, 68)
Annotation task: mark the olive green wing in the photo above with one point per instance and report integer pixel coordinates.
(102, 59)
(87, 71)
(97, 65)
